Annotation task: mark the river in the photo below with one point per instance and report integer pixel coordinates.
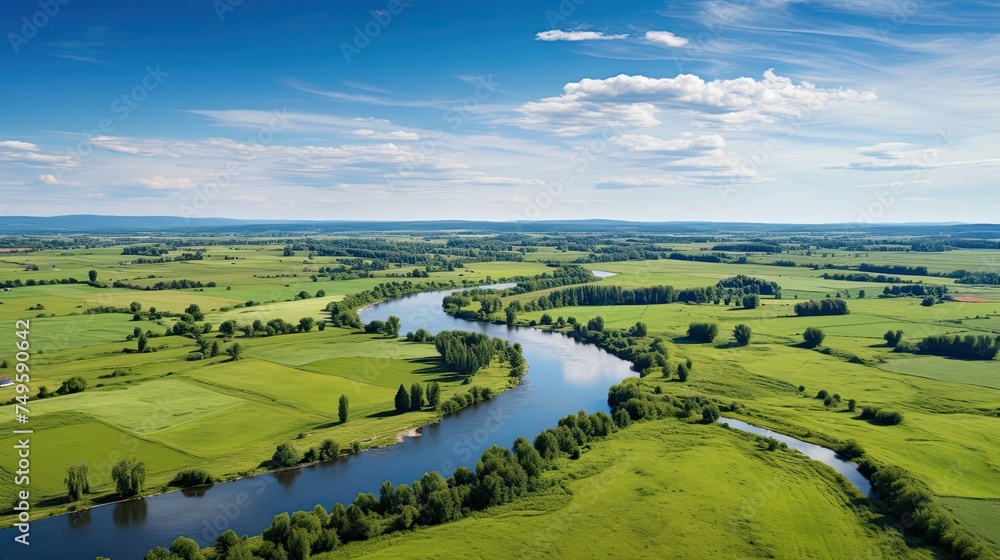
(564, 377)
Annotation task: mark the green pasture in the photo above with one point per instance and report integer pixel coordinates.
(665, 489)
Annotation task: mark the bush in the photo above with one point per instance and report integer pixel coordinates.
(881, 417)
(742, 335)
(813, 337)
(191, 477)
(849, 450)
(286, 455)
(827, 306)
(710, 413)
(703, 332)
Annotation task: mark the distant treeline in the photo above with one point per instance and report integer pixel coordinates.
(969, 347)
(865, 277)
(916, 290)
(181, 284)
(827, 306)
(894, 269)
(599, 294)
(966, 277)
(748, 247)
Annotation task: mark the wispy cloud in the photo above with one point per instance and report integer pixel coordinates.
(558, 35)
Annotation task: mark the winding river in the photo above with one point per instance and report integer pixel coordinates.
(564, 376)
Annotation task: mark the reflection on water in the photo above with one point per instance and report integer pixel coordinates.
(563, 377)
(287, 477)
(79, 519)
(197, 491)
(848, 469)
(130, 512)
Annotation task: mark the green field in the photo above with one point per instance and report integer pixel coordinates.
(666, 489)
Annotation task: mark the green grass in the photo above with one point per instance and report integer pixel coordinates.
(665, 489)
(982, 517)
(985, 374)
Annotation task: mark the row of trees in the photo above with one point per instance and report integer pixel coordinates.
(917, 290)
(827, 306)
(501, 475)
(468, 352)
(969, 347)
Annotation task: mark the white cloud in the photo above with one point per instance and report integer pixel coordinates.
(646, 143)
(50, 179)
(621, 183)
(163, 183)
(633, 100)
(665, 38)
(18, 145)
(371, 119)
(558, 35)
(511, 200)
(250, 198)
(395, 135)
(901, 156)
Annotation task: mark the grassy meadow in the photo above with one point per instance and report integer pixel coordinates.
(666, 489)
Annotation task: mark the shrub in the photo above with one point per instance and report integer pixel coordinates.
(703, 332)
(285, 455)
(742, 335)
(849, 450)
(191, 477)
(813, 337)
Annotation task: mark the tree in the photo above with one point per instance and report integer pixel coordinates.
(682, 372)
(142, 342)
(511, 314)
(194, 310)
(710, 413)
(638, 330)
(215, 351)
(751, 301)
(928, 301)
(225, 542)
(402, 399)
(72, 385)
(546, 319)
(235, 351)
(703, 332)
(433, 394)
(135, 307)
(861, 294)
(129, 476)
(742, 335)
(813, 337)
(306, 324)
(93, 276)
(77, 483)
(328, 450)
(184, 548)
(392, 325)
(285, 455)
(321, 293)
(416, 396)
(596, 324)
(158, 553)
(342, 408)
(893, 338)
(228, 328)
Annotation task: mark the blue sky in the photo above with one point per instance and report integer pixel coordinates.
(726, 110)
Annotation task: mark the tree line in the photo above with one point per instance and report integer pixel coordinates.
(501, 476)
(968, 347)
(826, 306)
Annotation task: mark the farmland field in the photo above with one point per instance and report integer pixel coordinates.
(176, 405)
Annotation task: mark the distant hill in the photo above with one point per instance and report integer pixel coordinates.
(95, 224)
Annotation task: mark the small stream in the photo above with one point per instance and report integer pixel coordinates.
(847, 468)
